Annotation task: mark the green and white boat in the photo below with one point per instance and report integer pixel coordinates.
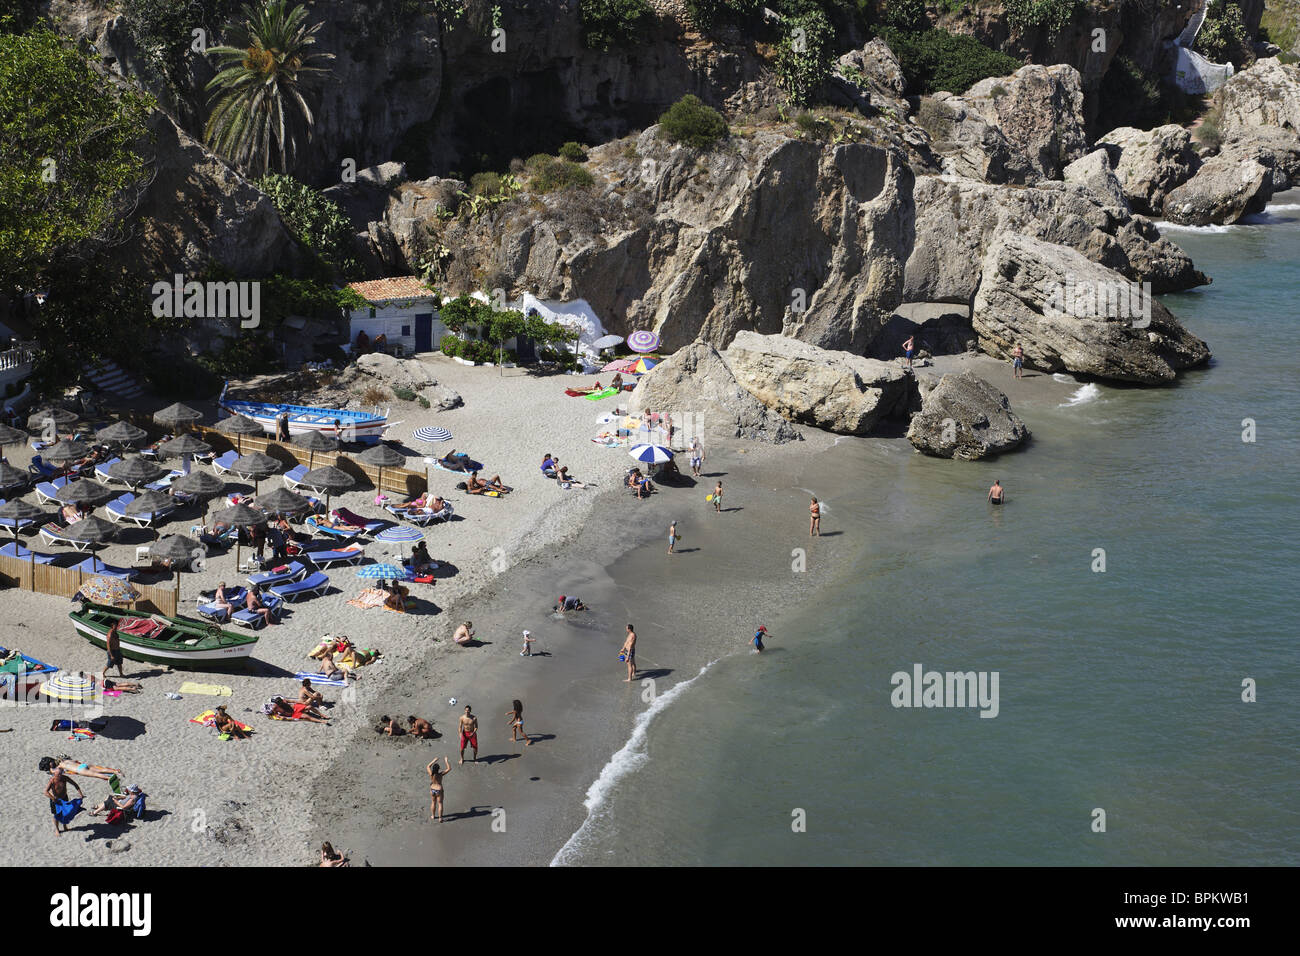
(175, 641)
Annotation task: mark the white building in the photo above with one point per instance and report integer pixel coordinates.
(403, 309)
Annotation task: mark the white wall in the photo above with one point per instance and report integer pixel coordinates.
(389, 320)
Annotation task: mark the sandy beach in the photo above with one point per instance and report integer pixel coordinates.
(271, 799)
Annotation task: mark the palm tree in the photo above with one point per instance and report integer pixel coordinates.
(262, 76)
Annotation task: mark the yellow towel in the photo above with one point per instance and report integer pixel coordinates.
(206, 690)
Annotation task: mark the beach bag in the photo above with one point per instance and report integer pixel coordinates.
(461, 486)
(116, 815)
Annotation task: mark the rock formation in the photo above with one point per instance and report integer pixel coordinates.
(965, 417)
(1226, 187)
(1150, 164)
(1072, 315)
(1039, 109)
(1094, 173)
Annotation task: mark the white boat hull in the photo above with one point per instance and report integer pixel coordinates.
(154, 653)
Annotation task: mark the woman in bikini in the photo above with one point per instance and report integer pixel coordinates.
(515, 721)
(435, 787)
(226, 724)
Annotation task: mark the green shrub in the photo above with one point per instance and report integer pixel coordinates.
(450, 345)
(693, 124)
(404, 394)
(805, 55)
(935, 60)
(1223, 36)
(906, 15)
(614, 23)
(548, 173)
(485, 184)
(1051, 14)
(574, 151)
(1210, 131)
(424, 402)
(317, 222)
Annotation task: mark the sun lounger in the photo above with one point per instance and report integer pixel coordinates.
(93, 565)
(293, 477)
(101, 471)
(117, 512)
(368, 525)
(422, 517)
(314, 584)
(222, 465)
(15, 550)
(343, 556)
(163, 483)
(47, 490)
(348, 533)
(253, 619)
(54, 534)
(266, 579)
(210, 610)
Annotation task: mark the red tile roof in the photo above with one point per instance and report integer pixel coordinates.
(397, 287)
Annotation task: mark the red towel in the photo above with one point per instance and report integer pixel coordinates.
(140, 627)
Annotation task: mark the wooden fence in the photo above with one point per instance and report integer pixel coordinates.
(65, 582)
(400, 481)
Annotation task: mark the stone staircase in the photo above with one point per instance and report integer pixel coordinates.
(109, 377)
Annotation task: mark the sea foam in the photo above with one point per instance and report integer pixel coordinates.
(1085, 393)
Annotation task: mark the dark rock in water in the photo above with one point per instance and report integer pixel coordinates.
(966, 418)
(1226, 188)
(696, 386)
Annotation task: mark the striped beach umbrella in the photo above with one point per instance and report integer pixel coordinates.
(432, 433)
(401, 532)
(619, 365)
(651, 454)
(78, 688)
(384, 572)
(643, 341)
(642, 365)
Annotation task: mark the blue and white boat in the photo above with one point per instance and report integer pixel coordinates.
(348, 426)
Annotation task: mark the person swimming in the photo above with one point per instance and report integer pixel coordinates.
(996, 492)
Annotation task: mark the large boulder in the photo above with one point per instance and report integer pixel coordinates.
(389, 371)
(1072, 315)
(837, 391)
(1265, 96)
(1278, 150)
(968, 144)
(1094, 173)
(958, 220)
(871, 78)
(965, 417)
(1039, 109)
(1149, 164)
(697, 387)
(1226, 187)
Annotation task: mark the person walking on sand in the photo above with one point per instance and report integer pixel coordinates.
(113, 648)
(697, 456)
(56, 789)
(435, 785)
(758, 639)
(717, 497)
(908, 347)
(996, 492)
(528, 645)
(672, 537)
(815, 518)
(1018, 361)
(515, 721)
(629, 654)
(468, 733)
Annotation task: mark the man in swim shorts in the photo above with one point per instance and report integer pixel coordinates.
(908, 348)
(468, 733)
(1018, 361)
(697, 456)
(996, 492)
(57, 789)
(629, 654)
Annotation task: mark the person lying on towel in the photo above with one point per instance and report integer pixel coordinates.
(455, 462)
(475, 485)
(279, 707)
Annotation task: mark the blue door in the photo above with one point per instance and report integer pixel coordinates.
(424, 333)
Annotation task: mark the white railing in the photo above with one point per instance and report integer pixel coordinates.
(17, 357)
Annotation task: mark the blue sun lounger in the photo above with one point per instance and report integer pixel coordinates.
(332, 532)
(316, 583)
(293, 477)
(53, 534)
(267, 579)
(93, 565)
(252, 619)
(222, 465)
(341, 556)
(15, 550)
(210, 610)
(101, 471)
(47, 490)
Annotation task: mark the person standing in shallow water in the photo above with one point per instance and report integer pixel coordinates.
(629, 654)
(815, 519)
(996, 492)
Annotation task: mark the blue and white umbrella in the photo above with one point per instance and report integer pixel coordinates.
(432, 433)
(384, 572)
(651, 454)
(401, 532)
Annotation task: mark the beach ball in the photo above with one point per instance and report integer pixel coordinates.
(452, 702)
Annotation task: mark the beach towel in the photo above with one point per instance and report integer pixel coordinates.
(205, 690)
(65, 810)
(321, 679)
(208, 719)
(370, 597)
(604, 393)
(469, 466)
(141, 627)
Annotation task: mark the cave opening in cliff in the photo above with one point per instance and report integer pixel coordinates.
(507, 118)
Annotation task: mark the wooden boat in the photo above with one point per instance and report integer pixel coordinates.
(21, 676)
(354, 426)
(176, 641)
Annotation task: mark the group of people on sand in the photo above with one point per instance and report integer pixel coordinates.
(467, 728)
(416, 727)
(124, 804)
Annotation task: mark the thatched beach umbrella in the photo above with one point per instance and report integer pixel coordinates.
(11, 477)
(84, 492)
(327, 481)
(282, 501)
(240, 516)
(50, 418)
(121, 433)
(66, 450)
(254, 467)
(135, 472)
(201, 484)
(381, 456)
(181, 552)
(313, 442)
(150, 502)
(186, 444)
(176, 414)
(93, 530)
(19, 512)
(12, 436)
(239, 426)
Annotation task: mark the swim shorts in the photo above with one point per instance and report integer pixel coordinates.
(1019, 363)
(114, 659)
(471, 740)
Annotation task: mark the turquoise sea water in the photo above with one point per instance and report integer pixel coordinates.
(1119, 690)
